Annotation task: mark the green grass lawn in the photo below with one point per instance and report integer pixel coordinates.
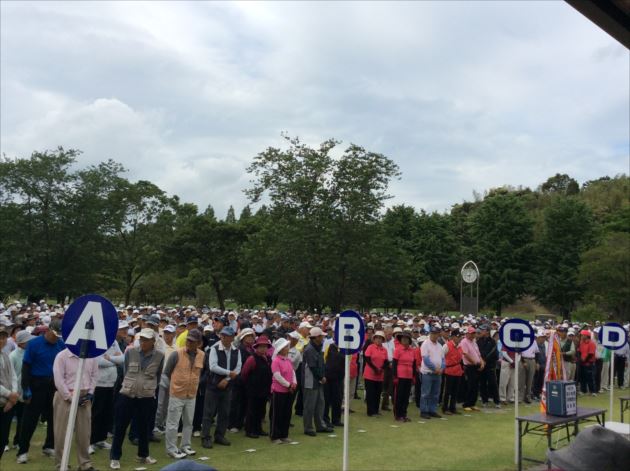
(484, 441)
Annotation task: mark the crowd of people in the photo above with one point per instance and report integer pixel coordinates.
(187, 371)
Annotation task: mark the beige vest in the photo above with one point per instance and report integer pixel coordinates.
(185, 377)
(138, 382)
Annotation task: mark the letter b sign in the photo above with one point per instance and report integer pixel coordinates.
(349, 332)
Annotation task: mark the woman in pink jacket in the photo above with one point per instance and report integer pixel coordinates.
(283, 384)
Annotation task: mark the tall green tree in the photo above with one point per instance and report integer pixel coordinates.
(605, 273)
(568, 231)
(502, 233)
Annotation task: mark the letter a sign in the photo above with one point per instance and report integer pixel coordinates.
(93, 319)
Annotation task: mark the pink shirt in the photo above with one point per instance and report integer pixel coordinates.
(470, 348)
(283, 374)
(65, 369)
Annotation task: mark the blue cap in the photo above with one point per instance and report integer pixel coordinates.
(229, 331)
(435, 329)
(191, 320)
(153, 319)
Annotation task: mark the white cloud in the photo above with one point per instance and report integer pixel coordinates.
(463, 96)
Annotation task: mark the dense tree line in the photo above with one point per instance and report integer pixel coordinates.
(316, 235)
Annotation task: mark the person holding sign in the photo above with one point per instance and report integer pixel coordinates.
(65, 369)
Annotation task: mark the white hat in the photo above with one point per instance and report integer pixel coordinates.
(541, 333)
(123, 325)
(316, 332)
(295, 335)
(208, 328)
(279, 344)
(245, 332)
(169, 328)
(305, 325)
(23, 336)
(147, 333)
(571, 331)
(131, 332)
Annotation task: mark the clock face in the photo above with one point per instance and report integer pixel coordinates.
(469, 275)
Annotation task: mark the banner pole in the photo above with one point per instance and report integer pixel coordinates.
(71, 419)
(517, 364)
(612, 382)
(346, 412)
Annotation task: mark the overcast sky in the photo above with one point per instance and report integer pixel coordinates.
(463, 96)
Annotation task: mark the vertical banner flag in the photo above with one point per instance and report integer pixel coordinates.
(553, 368)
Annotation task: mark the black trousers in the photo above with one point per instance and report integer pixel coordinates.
(238, 406)
(43, 390)
(373, 395)
(488, 385)
(216, 404)
(539, 379)
(587, 380)
(256, 408)
(388, 387)
(125, 410)
(620, 366)
(333, 398)
(102, 414)
(18, 411)
(198, 415)
(280, 415)
(451, 388)
(5, 427)
(472, 385)
(401, 397)
(299, 398)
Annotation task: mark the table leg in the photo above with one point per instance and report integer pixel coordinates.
(621, 409)
(566, 429)
(549, 432)
(520, 446)
(603, 423)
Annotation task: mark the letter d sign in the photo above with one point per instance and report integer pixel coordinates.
(613, 336)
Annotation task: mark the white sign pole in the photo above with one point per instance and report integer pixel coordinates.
(517, 365)
(73, 415)
(346, 412)
(612, 382)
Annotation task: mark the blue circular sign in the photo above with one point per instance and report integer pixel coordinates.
(90, 320)
(517, 335)
(349, 332)
(613, 336)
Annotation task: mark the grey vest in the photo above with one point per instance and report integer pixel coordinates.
(138, 382)
(6, 376)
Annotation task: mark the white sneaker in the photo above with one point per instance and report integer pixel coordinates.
(188, 450)
(233, 430)
(91, 450)
(23, 458)
(178, 455)
(147, 460)
(196, 433)
(49, 451)
(103, 445)
(6, 448)
(114, 464)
